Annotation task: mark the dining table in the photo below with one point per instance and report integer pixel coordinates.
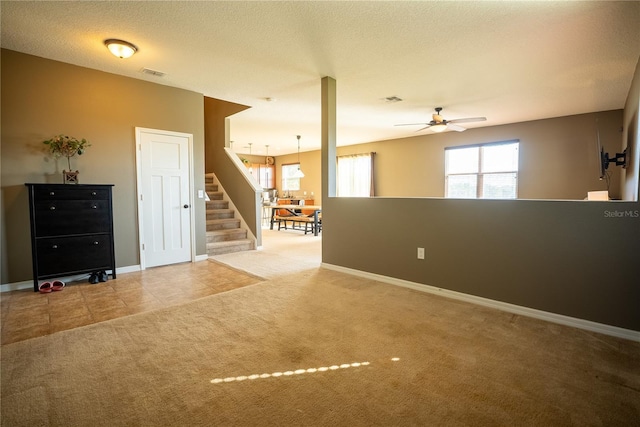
(297, 211)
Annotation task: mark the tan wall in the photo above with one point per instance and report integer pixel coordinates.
(42, 98)
(558, 158)
(310, 166)
(216, 111)
(246, 198)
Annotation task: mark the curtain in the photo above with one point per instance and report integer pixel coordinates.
(355, 175)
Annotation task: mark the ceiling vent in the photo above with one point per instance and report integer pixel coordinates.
(153, 72)
(392, 99)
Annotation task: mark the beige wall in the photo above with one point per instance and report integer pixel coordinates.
(558, 158)
(42, 98)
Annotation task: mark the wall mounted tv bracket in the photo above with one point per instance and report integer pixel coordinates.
(620, 159)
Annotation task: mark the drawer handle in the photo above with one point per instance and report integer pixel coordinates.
(52, 193)
(94, 207)
(53, 208)
(54, 247)
(96, 243)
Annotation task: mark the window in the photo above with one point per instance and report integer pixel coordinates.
(355, 175)
(264, 174)
(289, 182)
(488, 171)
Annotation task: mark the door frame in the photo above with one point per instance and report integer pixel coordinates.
(138, 149)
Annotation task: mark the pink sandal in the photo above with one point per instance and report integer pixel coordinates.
(57, 285)
(45, 287)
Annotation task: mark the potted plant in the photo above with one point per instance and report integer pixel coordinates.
(67, 146)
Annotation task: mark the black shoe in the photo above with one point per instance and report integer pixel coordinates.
(93, 279)
(102, 276)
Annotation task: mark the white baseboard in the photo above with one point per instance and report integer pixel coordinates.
(28, 284)
(16, 286)
(129, 269)
(511, 308)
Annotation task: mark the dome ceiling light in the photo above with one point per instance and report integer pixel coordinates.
(120, 48)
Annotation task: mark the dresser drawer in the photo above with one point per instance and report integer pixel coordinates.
(76, 193)
(66, 255)
(71, 229)
(59, 217)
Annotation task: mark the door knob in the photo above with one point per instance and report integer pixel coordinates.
(186, 206)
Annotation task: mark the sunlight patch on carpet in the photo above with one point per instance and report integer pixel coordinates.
(290, 373)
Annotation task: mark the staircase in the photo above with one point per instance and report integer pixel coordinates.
(224, 234)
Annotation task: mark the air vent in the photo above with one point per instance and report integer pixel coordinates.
(153, 72)
(392, 99)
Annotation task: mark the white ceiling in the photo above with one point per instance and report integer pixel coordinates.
(508, 61)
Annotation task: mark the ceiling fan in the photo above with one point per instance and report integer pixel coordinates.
(439, 124)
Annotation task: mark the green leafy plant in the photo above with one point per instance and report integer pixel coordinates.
(66, 146)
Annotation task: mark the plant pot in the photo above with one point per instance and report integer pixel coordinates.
(69, 177)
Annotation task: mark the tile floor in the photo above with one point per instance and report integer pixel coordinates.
(26, 314)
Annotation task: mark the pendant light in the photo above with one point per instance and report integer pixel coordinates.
(266, 164)
(298, 173)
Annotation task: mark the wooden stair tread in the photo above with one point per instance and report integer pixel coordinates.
(229, 243)
(226, 231)
(221, 220)
(222, 210)
(220, 248)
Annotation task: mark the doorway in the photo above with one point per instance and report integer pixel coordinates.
(165, 186)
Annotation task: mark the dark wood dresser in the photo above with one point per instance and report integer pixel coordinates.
(71, 230)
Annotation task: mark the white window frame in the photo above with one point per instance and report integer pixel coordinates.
(480, 174)
(289, 183)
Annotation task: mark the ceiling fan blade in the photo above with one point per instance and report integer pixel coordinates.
(469, 120)
(455, 127)
(412, 124)
(426, 127)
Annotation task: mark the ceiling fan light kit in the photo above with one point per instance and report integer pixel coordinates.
(438, 128)
(439, 124)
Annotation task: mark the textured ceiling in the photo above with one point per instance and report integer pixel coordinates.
(508, 61)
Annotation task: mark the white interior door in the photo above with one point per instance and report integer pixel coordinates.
(164, 197)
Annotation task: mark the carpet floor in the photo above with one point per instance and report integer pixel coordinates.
(316, 347)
